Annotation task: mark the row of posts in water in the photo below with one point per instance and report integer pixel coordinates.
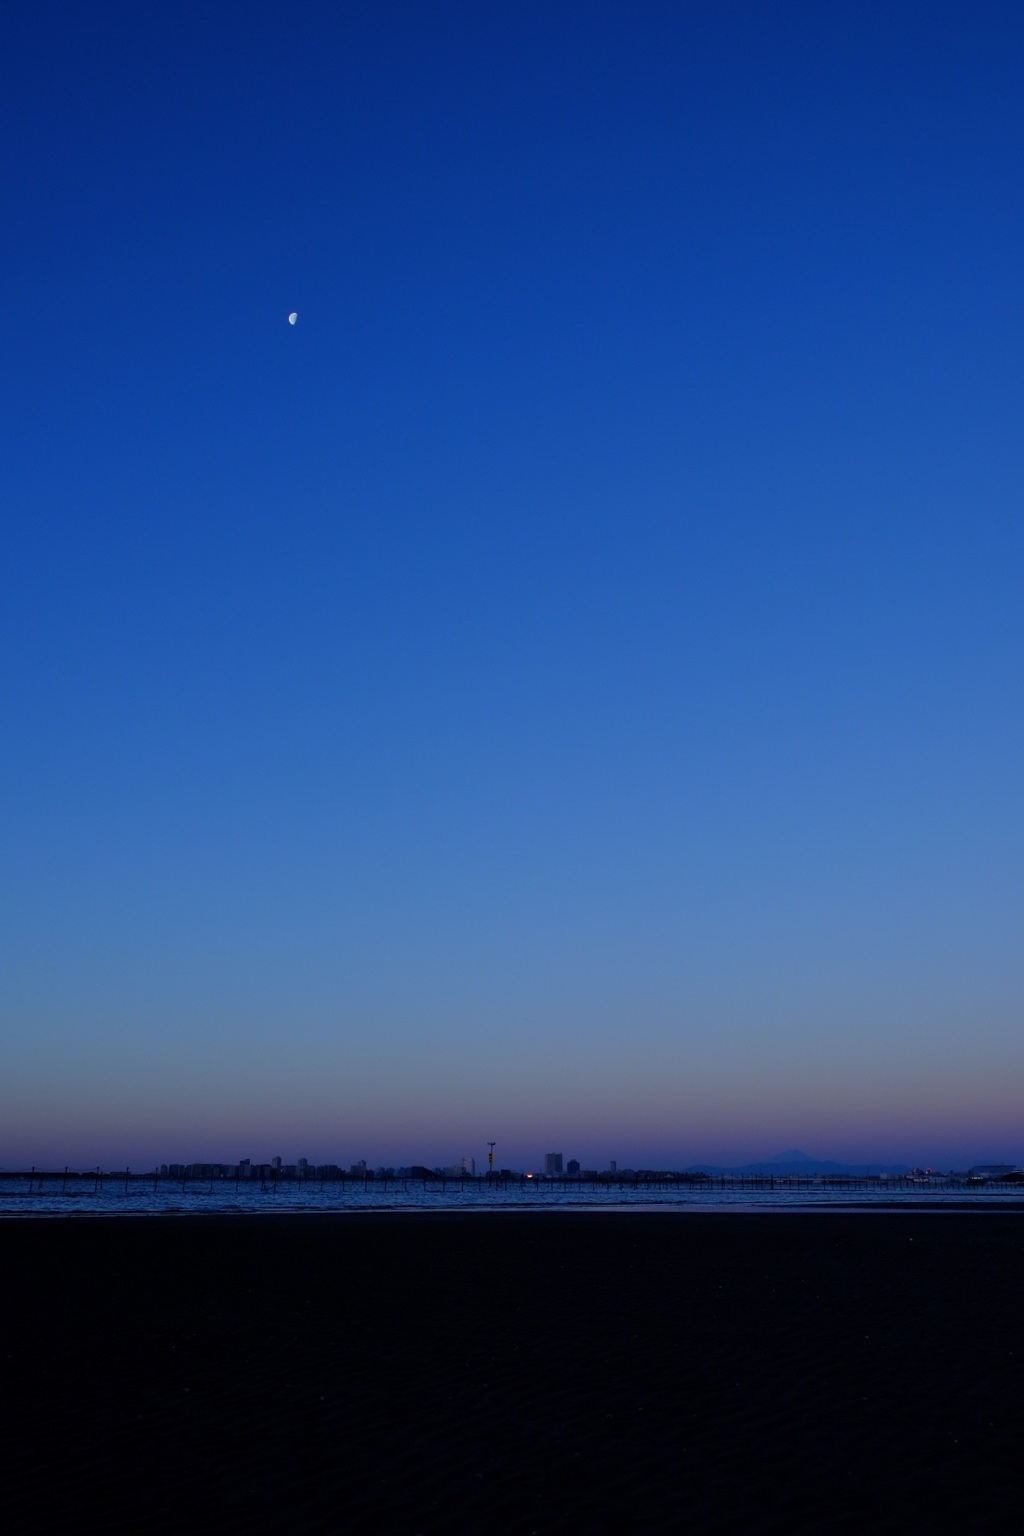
(40, 1181)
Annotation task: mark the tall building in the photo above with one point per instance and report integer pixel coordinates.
(552, 1164)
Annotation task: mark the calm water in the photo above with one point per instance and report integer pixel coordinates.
(111, 1196)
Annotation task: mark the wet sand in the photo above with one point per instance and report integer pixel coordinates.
(550, 1372)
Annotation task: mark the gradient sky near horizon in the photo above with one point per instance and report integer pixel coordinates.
(566, 690)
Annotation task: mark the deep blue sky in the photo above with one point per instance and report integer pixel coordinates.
(567, 688)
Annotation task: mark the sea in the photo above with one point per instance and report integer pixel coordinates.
(56, 1194)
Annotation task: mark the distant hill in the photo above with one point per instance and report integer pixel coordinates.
(796, 1164)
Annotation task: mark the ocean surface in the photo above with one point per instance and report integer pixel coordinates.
(111, 1195)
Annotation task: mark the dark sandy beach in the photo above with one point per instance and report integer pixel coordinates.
(514, 1373)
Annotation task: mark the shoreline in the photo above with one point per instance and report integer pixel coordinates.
(1008, 1206)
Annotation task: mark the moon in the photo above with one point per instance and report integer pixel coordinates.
(293, 317)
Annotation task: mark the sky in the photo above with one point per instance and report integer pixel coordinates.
(566, 689)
